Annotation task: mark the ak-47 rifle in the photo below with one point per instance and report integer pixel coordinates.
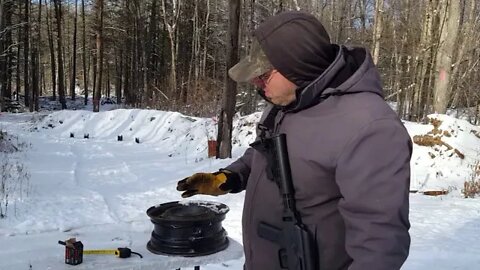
(297, 246)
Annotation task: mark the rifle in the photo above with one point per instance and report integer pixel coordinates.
(297, 246)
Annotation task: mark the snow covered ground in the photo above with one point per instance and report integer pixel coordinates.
(98, 189)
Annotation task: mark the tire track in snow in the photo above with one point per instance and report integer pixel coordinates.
(75, 166)
(105, 173)
(83, 171)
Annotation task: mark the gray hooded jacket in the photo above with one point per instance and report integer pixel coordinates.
(350, 160)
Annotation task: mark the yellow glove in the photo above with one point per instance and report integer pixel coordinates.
(217, 183)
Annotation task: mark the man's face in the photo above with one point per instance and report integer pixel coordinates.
(278, 89)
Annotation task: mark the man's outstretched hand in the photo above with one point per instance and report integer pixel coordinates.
(217, 183)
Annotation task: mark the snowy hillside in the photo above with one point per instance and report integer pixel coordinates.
(442, 158)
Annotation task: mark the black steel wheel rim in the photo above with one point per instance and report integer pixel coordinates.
(188, 229)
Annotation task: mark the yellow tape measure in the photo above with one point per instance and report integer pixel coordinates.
(102, 252)
(119, 252)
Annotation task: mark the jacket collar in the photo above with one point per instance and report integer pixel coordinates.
(311, 93)
(361, 76)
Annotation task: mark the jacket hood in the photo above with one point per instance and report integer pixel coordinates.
(352, 71)
(297, 45)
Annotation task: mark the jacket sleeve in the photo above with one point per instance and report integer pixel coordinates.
(373, 174)
(242, 167)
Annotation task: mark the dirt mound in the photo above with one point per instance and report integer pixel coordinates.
(434, 138)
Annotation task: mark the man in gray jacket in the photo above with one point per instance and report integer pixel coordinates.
(349, 152)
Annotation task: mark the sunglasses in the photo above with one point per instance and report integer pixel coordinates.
(262, 80)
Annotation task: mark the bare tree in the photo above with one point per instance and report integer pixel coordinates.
(3, 62)
(26, 53)
(53, 65)
(224, 137)
(18, 68)
(61, 76)
(377, 30)
(74, 55)
(6, 50)
(449, 28)
(36, 57)
(170, 19)
(84, 54)
(151, 54)
(99, 55)
(424, 62)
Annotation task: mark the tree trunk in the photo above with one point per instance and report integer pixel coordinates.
(3, 59)
(61, 76)
(224, 137)
(363, 14)
(449, 27)
(8, 11)
(404, 81)
(119, 73)
(36, 74)
(139, 63)
(151, 54)
(99, 56)
(193, 67)
(53, 64)
(84, 56)
(26, 53)
(6, 51)
(377, 30)
(465, 40)
(425, 60)
(343, 16)
(2, 3)
(74, 55)
(127, 67)
(19, 67)
(205, 42)
(43, 79)
(171, 25)
(107, 86)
